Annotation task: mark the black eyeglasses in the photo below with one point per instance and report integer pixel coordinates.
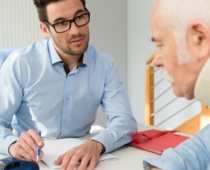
(64, 26)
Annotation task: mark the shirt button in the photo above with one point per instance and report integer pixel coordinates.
(67, 98)
(65, 121)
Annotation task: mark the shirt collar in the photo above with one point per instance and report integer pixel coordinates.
(55, 58)
(85, 59)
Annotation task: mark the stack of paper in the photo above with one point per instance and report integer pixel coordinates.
(55, 148)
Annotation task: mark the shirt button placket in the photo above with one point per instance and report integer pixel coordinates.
(67, 100)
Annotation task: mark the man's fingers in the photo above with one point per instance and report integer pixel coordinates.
(26, 148)
(42, 153)
(59, 160)
(74, 160)
(26, 155)
(93, 163)
(65, 162)
(18, 152)
(22, 153)
(84, 162)
(29, 140)
(88, 152)
(36, 137)
(26, 145)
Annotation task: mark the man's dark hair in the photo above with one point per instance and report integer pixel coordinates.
(41, 7)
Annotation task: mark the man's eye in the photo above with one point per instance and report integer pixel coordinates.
(62, 23)
(79, 17)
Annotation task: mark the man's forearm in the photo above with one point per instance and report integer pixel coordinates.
(115, 136)
(6, 142)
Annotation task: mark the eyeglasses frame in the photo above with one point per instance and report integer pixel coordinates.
(71, 20)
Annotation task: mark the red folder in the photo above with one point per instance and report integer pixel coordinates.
(157, 141)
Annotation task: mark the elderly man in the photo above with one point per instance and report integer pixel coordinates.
(181, 30)
(56, 86)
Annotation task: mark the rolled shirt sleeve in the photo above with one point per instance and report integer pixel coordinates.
(121, 125)
(192, 154)
(10, 99)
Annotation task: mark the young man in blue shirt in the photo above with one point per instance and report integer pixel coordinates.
(56, 86)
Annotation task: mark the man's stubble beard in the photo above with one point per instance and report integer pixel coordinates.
(68, 50)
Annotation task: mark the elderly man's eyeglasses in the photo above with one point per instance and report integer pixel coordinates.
(64, 26)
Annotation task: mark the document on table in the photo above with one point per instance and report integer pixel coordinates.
(55, 148)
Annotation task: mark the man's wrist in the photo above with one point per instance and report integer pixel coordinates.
(100, 145)
(10, 147)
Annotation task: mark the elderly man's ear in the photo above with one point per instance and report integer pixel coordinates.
(198, 40)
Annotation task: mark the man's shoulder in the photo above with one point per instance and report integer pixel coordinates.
(99, 56)
(35, 49)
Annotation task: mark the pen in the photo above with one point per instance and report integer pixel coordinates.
(38, 150)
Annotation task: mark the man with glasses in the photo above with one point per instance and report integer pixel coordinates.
(56, 86)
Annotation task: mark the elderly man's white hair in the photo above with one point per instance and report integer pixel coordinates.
(179, 14)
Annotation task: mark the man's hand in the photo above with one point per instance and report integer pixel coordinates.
(26, 145)
(87, 153)
(156, 169)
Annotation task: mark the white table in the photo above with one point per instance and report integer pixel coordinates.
(129, 157)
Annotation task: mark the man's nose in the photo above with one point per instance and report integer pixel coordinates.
(74, 30)
(157, 61)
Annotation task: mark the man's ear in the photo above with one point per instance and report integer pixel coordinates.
(198, 40)
(44, 29)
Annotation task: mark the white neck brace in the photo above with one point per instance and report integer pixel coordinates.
(202, 85)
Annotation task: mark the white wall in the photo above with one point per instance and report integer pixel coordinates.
(19, 23)
(108, 34)
(139, 49)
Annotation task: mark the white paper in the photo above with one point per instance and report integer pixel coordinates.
(55, 148)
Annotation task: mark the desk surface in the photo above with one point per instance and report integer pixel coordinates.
(129, 157)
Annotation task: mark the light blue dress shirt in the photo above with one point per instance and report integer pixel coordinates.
(192, 154)
(35, 93)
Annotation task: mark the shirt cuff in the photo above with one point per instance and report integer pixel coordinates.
(106, 141)
(169, 160)
(148, 166)
(4, 145)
